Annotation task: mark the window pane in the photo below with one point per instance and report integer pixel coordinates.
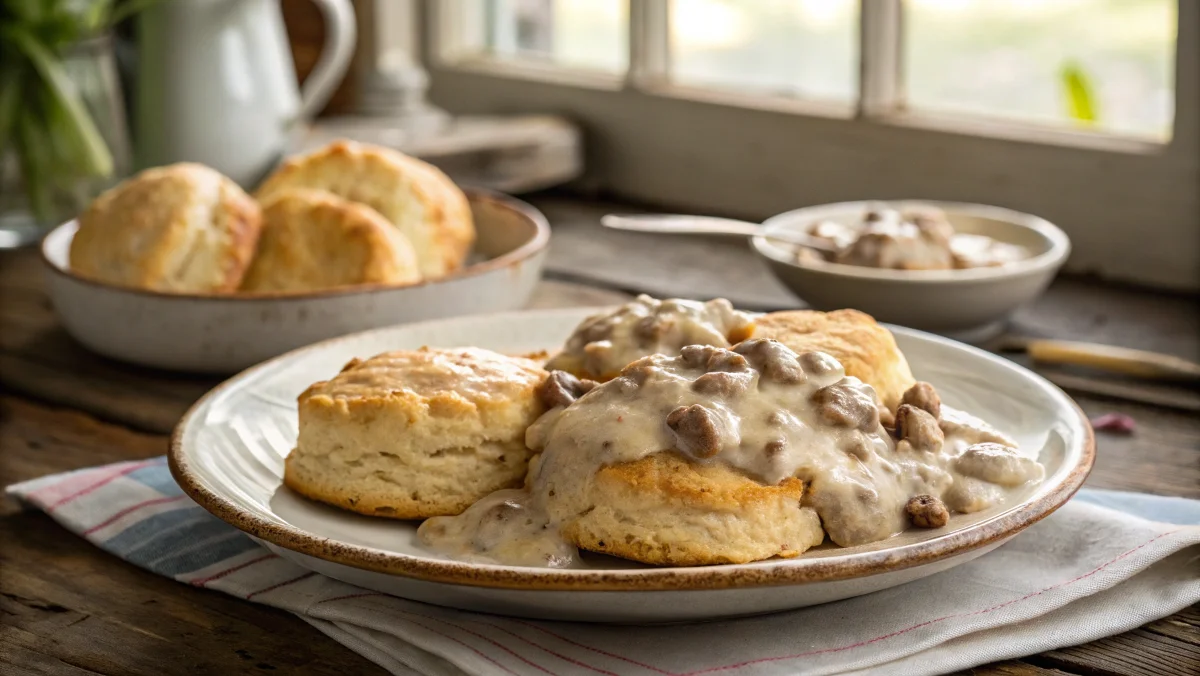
(800, 48)
(1055, 61)
(589, 34)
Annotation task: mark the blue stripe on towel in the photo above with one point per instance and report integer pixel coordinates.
(179, 541)
(158, 477)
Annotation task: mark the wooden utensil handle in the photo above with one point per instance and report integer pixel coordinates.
(1138, 363)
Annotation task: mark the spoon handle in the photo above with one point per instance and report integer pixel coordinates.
(679, 224)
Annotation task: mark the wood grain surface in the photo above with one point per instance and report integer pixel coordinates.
(68, 608)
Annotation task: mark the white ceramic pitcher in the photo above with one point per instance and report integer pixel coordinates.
(216, 83)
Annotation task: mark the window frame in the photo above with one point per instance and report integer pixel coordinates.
(685, 148)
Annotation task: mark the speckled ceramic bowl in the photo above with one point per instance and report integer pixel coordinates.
(227, 453)
(969, 305)
(223, 334)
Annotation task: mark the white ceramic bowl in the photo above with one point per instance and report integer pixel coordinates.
(227, 454)
(224, 334)
(967, 304)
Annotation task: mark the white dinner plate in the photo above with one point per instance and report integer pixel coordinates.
(227, 453)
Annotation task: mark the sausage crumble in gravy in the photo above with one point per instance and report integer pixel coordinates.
(913, 240)
(604, 344)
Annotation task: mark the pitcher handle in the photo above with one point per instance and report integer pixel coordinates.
(336, 54)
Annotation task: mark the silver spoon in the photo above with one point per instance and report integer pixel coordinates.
(679, 224)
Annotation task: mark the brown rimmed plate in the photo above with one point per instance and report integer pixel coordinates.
(227, 453)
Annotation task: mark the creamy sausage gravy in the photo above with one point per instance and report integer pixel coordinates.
(914, 240)
(603, 344)
(764, 410)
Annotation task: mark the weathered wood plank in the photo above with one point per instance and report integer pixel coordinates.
(39, 359)
(36, 440)
(1162, 456)
(551, 293)
(1013, 668)
(1179, 398)
(1184, 625)
(21, 660)
(1136, 653)
(69, 608)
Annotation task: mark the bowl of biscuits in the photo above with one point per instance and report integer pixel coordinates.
(659, 461)
(179, 268)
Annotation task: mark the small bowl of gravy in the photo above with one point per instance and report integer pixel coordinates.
(951, 268)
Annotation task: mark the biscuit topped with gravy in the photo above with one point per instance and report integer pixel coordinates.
(729, 456)
(865, 349)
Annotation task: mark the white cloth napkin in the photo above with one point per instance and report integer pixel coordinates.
(1105, 563)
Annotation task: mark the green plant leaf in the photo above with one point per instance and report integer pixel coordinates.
(97, 16)
(124, 10)
(11, 79)
(95, 157)
(28, 11)
(1081, 102)
(63, 152)
(35, 169)
(62, 23)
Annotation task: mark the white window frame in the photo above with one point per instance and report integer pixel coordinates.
(1131, 207)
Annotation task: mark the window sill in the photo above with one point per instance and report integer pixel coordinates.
(753, 101)
(533, 71)
(1031, 133)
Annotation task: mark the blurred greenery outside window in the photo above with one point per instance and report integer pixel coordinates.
(1099, 65)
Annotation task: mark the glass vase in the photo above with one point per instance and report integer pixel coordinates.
(92, 67)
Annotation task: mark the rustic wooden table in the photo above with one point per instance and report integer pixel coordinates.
(68, 608)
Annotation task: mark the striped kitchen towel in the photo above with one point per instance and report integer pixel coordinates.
(1105, 563)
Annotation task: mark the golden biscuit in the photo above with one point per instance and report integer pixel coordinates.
(667, 511)
(183, 228)
(314, 240)
(414, 196)
(415, 433)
